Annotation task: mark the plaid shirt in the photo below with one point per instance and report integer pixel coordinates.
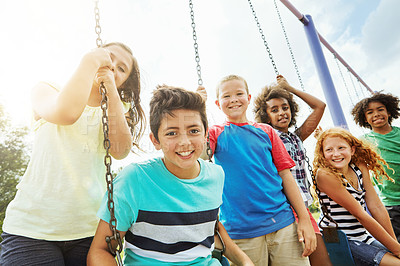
(295, 148)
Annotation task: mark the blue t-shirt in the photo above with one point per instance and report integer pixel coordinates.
(168, 220)
(251, 155)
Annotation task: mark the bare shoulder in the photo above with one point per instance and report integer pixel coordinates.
(325, 177)
(363, 167)
(324, 172)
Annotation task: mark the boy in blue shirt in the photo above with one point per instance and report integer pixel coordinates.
(259, 187)
(166, 208)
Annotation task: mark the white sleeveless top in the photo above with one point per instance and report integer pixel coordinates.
(62, 188)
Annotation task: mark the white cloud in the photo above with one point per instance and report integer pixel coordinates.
(382, 36)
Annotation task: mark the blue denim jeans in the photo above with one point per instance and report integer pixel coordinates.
(19, 250)
(365, 255)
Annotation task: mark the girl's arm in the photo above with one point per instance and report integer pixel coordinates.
(331, 185)
(98, 252)
(316, 105)
(375, 205)
(305, 230)
(66, 106)
(232, 251)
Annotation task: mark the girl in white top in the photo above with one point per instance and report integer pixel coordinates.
(52, 218)
(341, 166)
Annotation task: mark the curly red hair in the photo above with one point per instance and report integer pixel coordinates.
(364, 153)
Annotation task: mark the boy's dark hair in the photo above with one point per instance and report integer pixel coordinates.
(167, 99)
(388, 100)
(273, 92)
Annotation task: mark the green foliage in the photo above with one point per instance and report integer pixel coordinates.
(314, 209)
(13, 160)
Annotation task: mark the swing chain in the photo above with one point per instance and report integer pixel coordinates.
(289, 46)
(107, 158)
(97, 29)
(209, 150)
(109, 178)
(263, 38)
(198, 68)
(343, 79)
(324, 209)
(352, 83)
(196, 46)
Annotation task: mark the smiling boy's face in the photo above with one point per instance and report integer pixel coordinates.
(233, 100)
(377, 115)
(182, 137)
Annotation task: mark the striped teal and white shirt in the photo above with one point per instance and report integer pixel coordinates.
(168, 221)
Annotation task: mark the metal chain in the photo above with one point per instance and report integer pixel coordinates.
(97, 29)
(352, 83)
(107, 158)
(289, 46)
(198, 68)
(324, 209)
(209, 150)
(109, 179)
(321, 203)
(263, 38)
(196, 46)
(361, 88)
(344, 81)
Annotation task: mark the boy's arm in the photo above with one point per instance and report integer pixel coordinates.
(317, 106)
(98, 252)
(232, 251)
(305, 230)
(203, 93)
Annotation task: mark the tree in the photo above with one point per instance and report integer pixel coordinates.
(13, 159)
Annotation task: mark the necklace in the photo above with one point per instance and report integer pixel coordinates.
(352, 179)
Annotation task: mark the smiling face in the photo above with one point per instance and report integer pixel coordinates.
(182, 137)
(233, 100)
(279, 115)
(377, 116)
(337, 152)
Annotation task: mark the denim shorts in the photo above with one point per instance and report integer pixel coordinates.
(364, 254)
(20, 250)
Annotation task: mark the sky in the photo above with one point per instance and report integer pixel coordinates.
(46, 39)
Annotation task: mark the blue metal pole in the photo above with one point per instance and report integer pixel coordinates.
(324, 75)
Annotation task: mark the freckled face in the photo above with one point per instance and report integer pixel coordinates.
(337, 152)
(181, 138)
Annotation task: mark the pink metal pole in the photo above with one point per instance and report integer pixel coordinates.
(304, 20)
